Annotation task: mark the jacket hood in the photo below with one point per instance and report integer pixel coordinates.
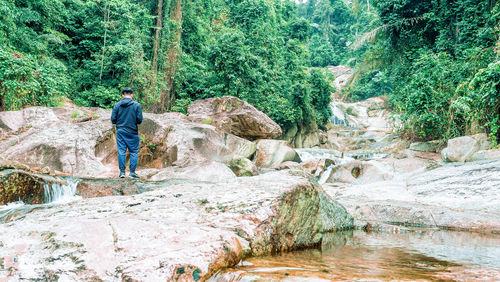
(125, 102)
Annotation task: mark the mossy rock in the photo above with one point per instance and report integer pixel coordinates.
(4, 164)
(243, 167)
(17, 185)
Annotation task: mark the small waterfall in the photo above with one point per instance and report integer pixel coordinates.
(338, 116)
(317, 154)
(54, 193)
(61, 193)
(327, 173)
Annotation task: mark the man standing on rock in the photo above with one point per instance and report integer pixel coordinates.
(127, 114)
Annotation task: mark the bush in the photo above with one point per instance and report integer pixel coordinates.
(99, 97)
(480, 100)
(27, 80)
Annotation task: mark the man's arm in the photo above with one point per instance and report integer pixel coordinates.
(114, 115)
(139, 114)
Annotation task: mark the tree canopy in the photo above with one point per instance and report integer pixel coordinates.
(436, 60)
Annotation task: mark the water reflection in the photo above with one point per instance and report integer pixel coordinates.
(357, 255)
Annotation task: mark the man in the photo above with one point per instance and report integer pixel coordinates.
(127, 114)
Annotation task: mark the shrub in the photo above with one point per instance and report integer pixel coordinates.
(29, 80)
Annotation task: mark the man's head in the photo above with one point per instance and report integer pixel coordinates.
(127, 92)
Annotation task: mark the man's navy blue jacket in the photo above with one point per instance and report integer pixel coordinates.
(127, 114)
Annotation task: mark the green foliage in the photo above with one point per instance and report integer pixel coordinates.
(436, 59)
(257, 50)
(480, 99)
(27, 80)
(181, 105)
(369, 84)
(320, 95)
(426, 97)
(99, 97)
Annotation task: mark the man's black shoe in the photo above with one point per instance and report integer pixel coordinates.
(133, 175)
(122, 174)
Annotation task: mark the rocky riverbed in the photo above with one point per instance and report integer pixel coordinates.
(216, 189)
(185, 230)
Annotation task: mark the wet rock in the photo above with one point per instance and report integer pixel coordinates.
(428, 147)
(234, 116)
(457, 197)
(461, 149)
(243, 167)
(96, 188)
(6, 164)
(17, 185)
(342, 76)
(271, 153)
(359, 172)
(187, 230)
(289, 165)
(208, 171)
(318, 166)
(304, 136)
(484, 155)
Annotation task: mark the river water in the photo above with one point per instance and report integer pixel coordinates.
(407, 254)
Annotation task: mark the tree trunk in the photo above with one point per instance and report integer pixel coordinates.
(106, 21)
(159, 21)
(172, 61)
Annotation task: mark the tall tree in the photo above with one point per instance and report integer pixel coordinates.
(172, 59)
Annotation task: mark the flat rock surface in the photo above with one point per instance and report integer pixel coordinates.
(184, 231)
(454, 196)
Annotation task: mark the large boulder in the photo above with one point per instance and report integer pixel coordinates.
(193, 142)
(183, 231)
(305, 136)
(55, 142)
(461, 149)
(271, 153)
(234, 116)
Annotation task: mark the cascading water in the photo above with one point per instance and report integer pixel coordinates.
(337, 157)
(327, 173)
(308, 154)
(55, 193)
(338, 116)
(61, 193)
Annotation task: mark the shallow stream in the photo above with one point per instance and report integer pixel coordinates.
(379, 256)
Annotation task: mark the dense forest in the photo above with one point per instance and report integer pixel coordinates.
(436, 60)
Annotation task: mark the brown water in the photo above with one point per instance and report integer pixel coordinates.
(357, 255)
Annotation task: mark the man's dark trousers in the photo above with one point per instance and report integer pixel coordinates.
(126, 140)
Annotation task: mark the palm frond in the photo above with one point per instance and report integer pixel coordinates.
(371, 35)
(367, 37)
